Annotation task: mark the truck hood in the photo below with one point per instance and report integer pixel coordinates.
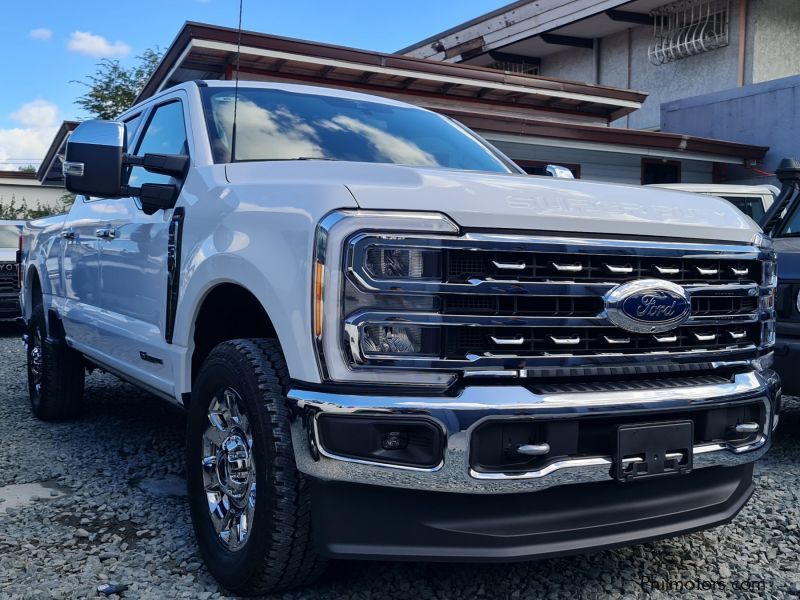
(521, 202)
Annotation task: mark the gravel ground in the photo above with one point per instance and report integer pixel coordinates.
(112, 509)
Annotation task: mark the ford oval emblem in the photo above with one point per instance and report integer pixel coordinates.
(648, 306)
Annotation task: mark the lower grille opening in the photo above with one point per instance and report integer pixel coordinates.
(494, 445)
(546, 341)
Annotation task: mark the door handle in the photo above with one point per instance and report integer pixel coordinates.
(68, 234)
(106, 234)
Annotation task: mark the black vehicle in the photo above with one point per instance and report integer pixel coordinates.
(782, 222)
(9, 281)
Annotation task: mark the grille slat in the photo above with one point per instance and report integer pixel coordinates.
(463, 265)
(461, 342)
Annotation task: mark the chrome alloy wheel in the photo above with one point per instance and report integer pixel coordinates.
(36, 362)
(229, 470)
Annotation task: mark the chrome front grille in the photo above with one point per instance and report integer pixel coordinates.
(512, 302)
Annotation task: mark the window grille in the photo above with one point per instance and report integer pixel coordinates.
(516, 67)
(689, 27)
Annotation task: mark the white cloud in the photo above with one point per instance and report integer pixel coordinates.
(39, 113)
(39, 120)
(90, 44)
(41, 33)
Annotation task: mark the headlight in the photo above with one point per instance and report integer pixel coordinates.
(769, 273)
(403, 263)
(352, 348)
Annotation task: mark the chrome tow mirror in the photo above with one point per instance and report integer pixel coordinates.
(94, 159)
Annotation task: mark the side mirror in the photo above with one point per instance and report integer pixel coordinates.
(94, 159)
(157, 196)
(559, 171)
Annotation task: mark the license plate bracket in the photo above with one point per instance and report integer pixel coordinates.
(646, 450)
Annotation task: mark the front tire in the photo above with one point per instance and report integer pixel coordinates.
(55, 373)
(238, 440)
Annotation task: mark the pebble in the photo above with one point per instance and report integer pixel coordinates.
(126, 437)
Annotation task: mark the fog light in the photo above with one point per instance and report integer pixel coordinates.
(400, 339)
(395, 440)
(407, 441)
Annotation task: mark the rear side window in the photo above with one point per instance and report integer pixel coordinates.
(9, 236)
(752, 206)
(165, 134)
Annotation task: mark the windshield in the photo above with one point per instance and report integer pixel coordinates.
(282, 125)
(9, 236)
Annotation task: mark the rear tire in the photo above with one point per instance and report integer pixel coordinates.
(55, 372)
(238, 439)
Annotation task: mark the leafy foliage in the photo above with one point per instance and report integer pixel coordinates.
(27, 169)
(14, 210)
(113, 88)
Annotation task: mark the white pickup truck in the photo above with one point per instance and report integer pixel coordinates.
(411, 349)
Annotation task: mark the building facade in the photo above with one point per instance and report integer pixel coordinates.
(765, 113)
(535, 120)
(671, 50)
(21, 187)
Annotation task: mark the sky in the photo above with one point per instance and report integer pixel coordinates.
(48, 46)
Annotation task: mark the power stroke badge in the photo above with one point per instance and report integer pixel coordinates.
(648, 306)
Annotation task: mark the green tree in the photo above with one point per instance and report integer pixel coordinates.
(27, 169)
(113, 88)
(12, 210)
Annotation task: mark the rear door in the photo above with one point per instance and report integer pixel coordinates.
(133, 259)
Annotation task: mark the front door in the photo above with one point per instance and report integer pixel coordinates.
(133, 261)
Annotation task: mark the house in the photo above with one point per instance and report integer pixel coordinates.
(536, 120)
(21, 186)
(673, 50)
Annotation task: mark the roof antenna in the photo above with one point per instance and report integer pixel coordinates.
(236, 88)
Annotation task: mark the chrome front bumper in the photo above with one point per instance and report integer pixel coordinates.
(459, 416)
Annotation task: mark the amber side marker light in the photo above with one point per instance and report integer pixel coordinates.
(319, 277)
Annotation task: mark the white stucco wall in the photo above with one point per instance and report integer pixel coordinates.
(30, 191)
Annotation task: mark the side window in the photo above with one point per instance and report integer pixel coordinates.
(131, 125)
(165, 134)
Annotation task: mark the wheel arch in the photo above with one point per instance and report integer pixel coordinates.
(226, 311)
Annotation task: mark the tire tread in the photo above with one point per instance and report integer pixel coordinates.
(291, 560)
(62, 384)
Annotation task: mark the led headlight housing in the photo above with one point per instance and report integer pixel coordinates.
(364, 262)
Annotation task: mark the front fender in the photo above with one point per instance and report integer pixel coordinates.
(281, 285)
